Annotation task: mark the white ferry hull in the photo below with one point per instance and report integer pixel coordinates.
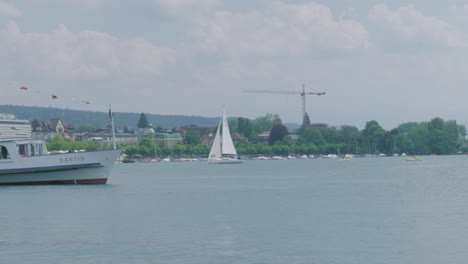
(70, 168)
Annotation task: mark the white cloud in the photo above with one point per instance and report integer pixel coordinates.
(9, 10)
(458, 15)
(280, 29)
(92, 4)
(410, 25)
(183, 6)
(62, 54)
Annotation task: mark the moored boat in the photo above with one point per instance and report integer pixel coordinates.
(128, 161)
(414, 158)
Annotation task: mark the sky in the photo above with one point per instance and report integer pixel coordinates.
(390, 61)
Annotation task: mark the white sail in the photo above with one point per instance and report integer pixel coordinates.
(215, 152)
(222, 150)
(227, 145)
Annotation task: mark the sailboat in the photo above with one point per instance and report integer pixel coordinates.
(223, 150)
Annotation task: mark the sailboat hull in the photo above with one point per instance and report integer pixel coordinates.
(225, 161)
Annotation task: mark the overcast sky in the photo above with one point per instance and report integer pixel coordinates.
(391, 61)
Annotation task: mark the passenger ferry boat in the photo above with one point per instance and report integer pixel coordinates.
(24, 160)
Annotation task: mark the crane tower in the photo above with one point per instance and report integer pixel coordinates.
(303, 94)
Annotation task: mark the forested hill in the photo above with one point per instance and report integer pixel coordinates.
(101, 119)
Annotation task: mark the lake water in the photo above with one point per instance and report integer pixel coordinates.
(367, 210)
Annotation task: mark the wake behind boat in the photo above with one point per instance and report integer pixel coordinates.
(24, 160)
(223, 150)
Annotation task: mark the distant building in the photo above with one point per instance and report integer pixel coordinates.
(319, 125)
(171, 139)
(146, 133)
(263, 138)
(206, 133)
(238, 137)
(105, 138)
(294, 137)
(48, 129)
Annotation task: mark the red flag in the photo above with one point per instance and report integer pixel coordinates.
(24, 88)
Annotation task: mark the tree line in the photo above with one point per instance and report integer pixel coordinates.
(438, 136)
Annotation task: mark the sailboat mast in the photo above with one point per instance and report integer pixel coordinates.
(111, 115)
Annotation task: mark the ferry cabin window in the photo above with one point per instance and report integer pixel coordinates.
(4, 153)
(35, 149)
(23, 149)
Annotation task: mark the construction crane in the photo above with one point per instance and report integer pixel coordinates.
(303, 94)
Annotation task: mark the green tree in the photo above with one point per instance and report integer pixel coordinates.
(444, 137)
(143, 122)
(277, 133)
(372, 134)
(405, 128)
(192, 137)
(456, 135)
(331, 135)
(58, 143)
(88, 145)
(311, 135)
(306, 121)
(232, 122)
(280, 150)
(245, 128)
(266, 123)
(404, 144)
(131, 150)
(439, 142)
(61, 143)
(385, 144)
(147, 148)
(178, 150)
(349, 136)
(163, 150)
(436, 123)
(419, 135)
(254, 138)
